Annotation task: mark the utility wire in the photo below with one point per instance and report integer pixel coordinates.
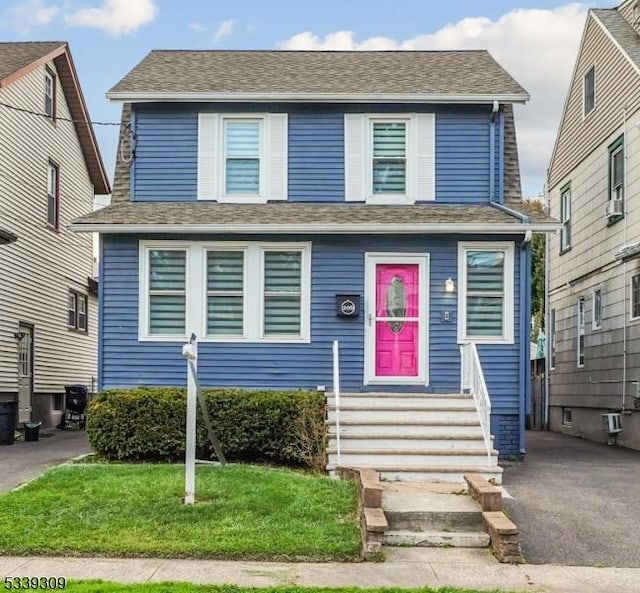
(73, 121)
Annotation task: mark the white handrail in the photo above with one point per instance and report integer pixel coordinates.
(336, 394)
(472, 379)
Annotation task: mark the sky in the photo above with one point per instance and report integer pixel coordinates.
(535, 40)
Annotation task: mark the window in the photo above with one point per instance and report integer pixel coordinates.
(389, 150)
(589, 85)
(50, 93)
(596, 313)
(552, 331)
(389, 159)
(565, 217)
(580, 333)
(635, 296)
(58, 401)
(566, 416)
(486, 292)
(248, 292)
(77, 311)
(53, 195)
(167, 281)
(616, 178)
(242, 158)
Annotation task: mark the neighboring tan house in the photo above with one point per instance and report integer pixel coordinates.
(277, 202)
(50, 171)
(593, 184)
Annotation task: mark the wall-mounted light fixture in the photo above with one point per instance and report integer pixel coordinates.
(449, 285)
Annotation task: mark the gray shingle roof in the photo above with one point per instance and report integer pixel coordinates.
(237, 218)
(16, 55)
(621, 31)
(319, 72)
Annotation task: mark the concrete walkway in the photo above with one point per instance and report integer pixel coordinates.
(434, 567)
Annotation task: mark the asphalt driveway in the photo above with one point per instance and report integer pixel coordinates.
(23, 461)
(575, 502)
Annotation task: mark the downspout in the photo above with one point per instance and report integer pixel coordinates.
(549, 331)
(624, 263)
(525, 272)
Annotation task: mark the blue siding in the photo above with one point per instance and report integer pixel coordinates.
(165, 165)
(128, 362)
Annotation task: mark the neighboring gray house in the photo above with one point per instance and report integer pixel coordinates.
(50, 170)
(593, 183)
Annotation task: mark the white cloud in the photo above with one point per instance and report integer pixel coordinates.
(224, 30)
(115, 17)
(199, 27)
(33, 13)
(537, 47)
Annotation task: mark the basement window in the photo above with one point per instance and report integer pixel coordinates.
(566, 416)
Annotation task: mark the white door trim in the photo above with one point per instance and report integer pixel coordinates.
(371, 259)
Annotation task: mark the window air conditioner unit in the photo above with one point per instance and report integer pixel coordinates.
(611, 423)
(615, 208)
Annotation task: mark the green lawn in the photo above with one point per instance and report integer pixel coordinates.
(105, 587)
(135, 510)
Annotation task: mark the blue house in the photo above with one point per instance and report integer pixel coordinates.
(274, 203)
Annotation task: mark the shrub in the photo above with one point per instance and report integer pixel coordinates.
(149, 424)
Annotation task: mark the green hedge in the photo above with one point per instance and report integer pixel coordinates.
(149, 424)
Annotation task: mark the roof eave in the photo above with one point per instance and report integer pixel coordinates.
(329, 229)
(158, 97)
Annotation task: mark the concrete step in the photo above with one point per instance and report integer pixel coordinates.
(444, 539)
(426, 402)
(446, 475)
(407, 442)
(382, 459)
(418, 414)
(409, 426)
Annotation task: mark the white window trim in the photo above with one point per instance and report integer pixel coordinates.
(196, 291)
(631, 317)
(586, 114)
(552, 339)
(273, 155)
(50, 80)
(581, 304)
(410, 155)
(508, 322)
(612, 153)
(565, 192)
(594, 322)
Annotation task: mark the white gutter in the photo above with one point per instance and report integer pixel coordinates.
(190, 97)
(298, 229)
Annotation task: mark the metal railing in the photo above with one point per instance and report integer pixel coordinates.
(336, 395)
(472, 380)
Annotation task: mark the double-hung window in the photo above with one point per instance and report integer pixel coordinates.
(552, 337)
(242, 158)
(226, 292)
(390, 158)
(616, 179)
(589, 90)
(635, 296)
(167, 283)
(53, 195)
(486, 292)
(50, 93)
(77, 311)
(242, 140)
(565, 217)
(580, 333)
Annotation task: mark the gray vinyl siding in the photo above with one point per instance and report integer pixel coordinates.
(617, 86)
(37, 272)
(626, 10)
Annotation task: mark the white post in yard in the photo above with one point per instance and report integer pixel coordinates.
(190, 352)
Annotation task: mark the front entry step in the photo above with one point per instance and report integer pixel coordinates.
(413, 437)
(437, 539)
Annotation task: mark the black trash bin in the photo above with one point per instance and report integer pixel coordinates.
(32, 431)
(8, 422)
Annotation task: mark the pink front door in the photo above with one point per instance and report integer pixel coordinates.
(397, 322)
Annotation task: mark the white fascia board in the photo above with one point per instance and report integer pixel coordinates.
(316, 229)
(147, 97)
